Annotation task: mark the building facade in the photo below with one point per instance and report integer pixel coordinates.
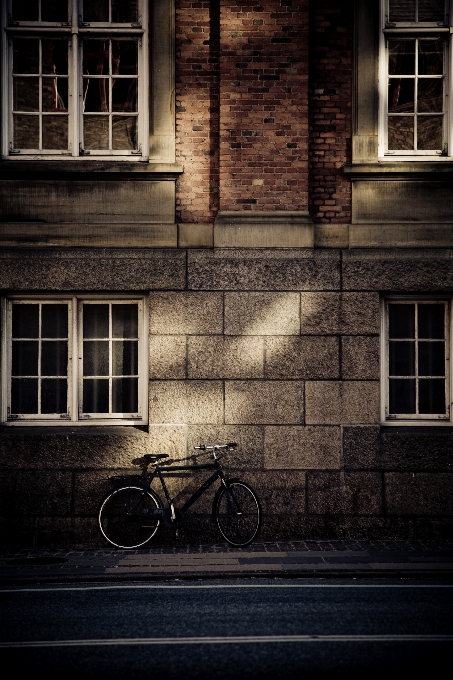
(228, 221)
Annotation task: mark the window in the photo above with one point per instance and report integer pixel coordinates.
(415, 71)
(75, 74)
(416, 380)
(75, 359)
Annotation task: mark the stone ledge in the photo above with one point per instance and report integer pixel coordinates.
(263, 229)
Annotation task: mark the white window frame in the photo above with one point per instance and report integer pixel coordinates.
(392, 30)
(416, 419)
(74, 416)
(75, 31)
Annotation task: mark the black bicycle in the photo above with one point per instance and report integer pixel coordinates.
(130, 515)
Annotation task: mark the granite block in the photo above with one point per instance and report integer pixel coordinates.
(264, 402)
(302, 448)
(306, 357)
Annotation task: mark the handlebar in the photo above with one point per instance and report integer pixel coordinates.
(216, 447)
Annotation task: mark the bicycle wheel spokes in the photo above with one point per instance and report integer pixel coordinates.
(238, 514)
(126, 517)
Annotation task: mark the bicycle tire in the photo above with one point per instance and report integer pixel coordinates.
(237, 529)
(129, 531)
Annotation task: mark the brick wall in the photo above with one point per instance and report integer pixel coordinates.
(330, 109)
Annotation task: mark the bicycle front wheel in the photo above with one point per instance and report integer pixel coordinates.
(126, 517)
(237, 513)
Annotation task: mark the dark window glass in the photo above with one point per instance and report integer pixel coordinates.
(125, 358)
(430, 95)
(54, 395)
(430, 133)
(124, 94)
(401, 95)
(431, 395)
(125, 321)
(25, 357)
(55, 57)
(96, 57)
(96, 132)
(431, 358)
(125, 395)
(124, 11)
(25, 94)
(401, 57)
(401, 10)
(431, 322)
(55, 132)
(431, 10)
(402, 395)
(124, 133)
(400, 133)
(431, 57)
(96, 321)
(54, 321)
(25, 55)
(25, 321)
(125, 57)
(96, 10)
(95, 395)
(54, 357)
(96, 358)
(24, 395)
(25, 132)
(401, 321)
(54, 10)
(401, 358)
(25, 10)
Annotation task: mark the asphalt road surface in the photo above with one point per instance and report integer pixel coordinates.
(313, 628)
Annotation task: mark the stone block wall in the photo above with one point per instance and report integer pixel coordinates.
(275, 349)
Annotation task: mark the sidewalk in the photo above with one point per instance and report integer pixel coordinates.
(339, 558)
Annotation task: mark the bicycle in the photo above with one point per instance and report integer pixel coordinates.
(130, 515)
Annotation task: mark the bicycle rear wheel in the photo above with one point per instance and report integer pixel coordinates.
(126, 517)
(237, 513)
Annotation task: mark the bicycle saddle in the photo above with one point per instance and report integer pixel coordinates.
(155, 456)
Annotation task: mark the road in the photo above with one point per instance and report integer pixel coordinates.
(312, 628)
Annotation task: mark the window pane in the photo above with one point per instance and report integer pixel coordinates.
(54, 357)
(26, 132)
(24, 395)
(124, 11)
(95, 396)
(124, 94)
(25, 55)
(125, 358)
(402, 395)
(54, 395)
(25, 94)
(125, 321)
(401, 57)
(401, 321)
(25, 357)
(432, 396)
(400, 133)
(431, 322)
(25, 10)
(55, 94)
(431, 57)
(55, 57)
(96, 132)
(125, 395)
(402, 358)
(96, 358)
(55, 132)
(54, 10)
(430, 95)
(97, 97)
(96, 321)
(430, 133)
(54, 321)
(431, 358)
(96, 10)
(125, 57)
(401, 95)
(401, 10)
(25, 321)
(124, 133)
(96, 57)
(431, 10)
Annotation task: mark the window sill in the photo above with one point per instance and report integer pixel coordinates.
(75, 424)
(396, 169)
(428, 424)
(93, 169)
